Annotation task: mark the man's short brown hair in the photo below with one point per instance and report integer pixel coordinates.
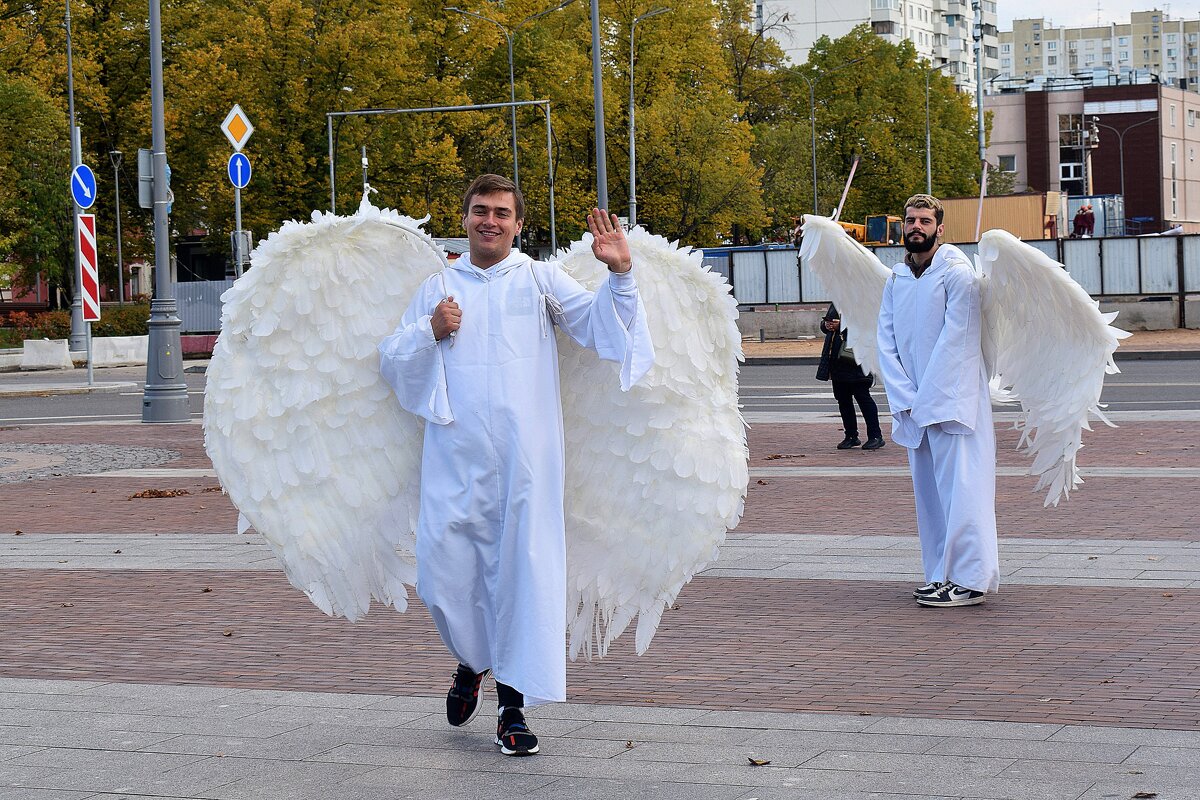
(926, 201)
(492, 184)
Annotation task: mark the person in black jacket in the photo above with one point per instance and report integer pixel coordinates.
(850, 384)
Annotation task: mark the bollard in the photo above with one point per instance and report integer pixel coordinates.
(762, 334)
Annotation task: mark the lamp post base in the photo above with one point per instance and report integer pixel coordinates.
(165, 398)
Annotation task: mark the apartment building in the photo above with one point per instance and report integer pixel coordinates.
(941, 30)
(1151, 42)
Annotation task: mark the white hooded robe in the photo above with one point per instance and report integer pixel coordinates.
(931, 362)
(491, 550)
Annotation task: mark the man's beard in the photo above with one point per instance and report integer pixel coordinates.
(923, 245)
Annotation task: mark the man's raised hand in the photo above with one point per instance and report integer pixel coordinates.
(446, 318)
(609, 244)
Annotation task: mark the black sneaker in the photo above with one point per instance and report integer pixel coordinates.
(951, 595)
(462, 701)
(513, 735)
(931, 588)
(848, 442)
(874, 443)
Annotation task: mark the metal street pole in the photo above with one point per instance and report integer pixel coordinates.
(598, 110)
(812, 121)
(1121, 151)
(78, 339)
(115, 157)
(928, 145)
(977, 5)
(632, 128)
(165, 398)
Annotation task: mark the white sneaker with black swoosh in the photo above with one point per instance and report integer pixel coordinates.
(951, 595)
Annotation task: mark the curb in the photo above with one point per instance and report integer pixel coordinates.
(48, 391)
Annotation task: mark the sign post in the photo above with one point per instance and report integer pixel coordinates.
(237, 130)
(89, 279)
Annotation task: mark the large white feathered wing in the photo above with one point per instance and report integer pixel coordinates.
(1045, 337)
(854, 279)
(305, 436)
(656, 476)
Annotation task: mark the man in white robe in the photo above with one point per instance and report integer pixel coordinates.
(932, 365)
(475, 355)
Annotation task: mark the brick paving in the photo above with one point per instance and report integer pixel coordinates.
(1031, 654)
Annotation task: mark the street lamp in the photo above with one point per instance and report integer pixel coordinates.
(812, 121)
(115, 157)
(512, 86)
(632, 148)
(1121, 145)
(928, 147)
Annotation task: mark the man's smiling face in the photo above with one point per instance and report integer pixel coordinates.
(492, 225)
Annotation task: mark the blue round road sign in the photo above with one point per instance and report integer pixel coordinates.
(239, 170)
(83, 186)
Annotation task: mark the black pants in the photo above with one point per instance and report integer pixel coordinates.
(846, 394)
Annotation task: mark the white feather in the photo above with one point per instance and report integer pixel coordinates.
(655, 477)
(1046, 339)
(854, 279)
(303, 433)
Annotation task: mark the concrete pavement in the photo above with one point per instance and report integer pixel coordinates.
(150, 651)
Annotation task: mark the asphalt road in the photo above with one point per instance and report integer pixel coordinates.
(1151, 385)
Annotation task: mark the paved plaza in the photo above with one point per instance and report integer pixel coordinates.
(150, 651)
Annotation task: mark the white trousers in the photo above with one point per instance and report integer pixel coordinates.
(954, 479)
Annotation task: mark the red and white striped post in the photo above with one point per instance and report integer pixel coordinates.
(89, 279)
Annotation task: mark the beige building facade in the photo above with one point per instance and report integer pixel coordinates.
(1151, 42)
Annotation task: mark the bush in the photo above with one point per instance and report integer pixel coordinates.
(50, 325)
(130, 320)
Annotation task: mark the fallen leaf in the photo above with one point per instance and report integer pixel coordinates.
(675, 606)
(93, 491)
(227, 632)
(762, 483)
(757, 762)
(1142, 452)
(146, 493)
(116, 552)
(774, 456)
(19, 533)
(1108, 680)
(1167, 594)
(864, 713)
(628, 745)
(206, 589)
(1135, 772)
(1092, 558)
(66, 605)
(1144, 795)
(208, 489)
(1154, 558)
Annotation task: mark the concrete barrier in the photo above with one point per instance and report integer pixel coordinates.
(46, 354)
(1144, 315)
(784, 324)
(120, 351)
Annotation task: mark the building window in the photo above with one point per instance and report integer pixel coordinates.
(1172, 117)
(1051, 45)
(1172, 38)
(1008, 163)
(1051, 60)
(1123, 40)
(1006, 48)
(1124, 57)
(1170, 53)
(1070, 172)
(1191, 117)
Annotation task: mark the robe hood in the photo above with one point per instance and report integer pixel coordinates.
(944, 254)
(514, 259)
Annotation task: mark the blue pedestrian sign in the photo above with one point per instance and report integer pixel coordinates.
(239, 170)
(83, 186)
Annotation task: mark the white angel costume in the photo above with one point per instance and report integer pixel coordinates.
(491, 552)
(932, 366)
(949, 343)
(316, 452)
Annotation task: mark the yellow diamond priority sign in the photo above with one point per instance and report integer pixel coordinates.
(237, 127)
